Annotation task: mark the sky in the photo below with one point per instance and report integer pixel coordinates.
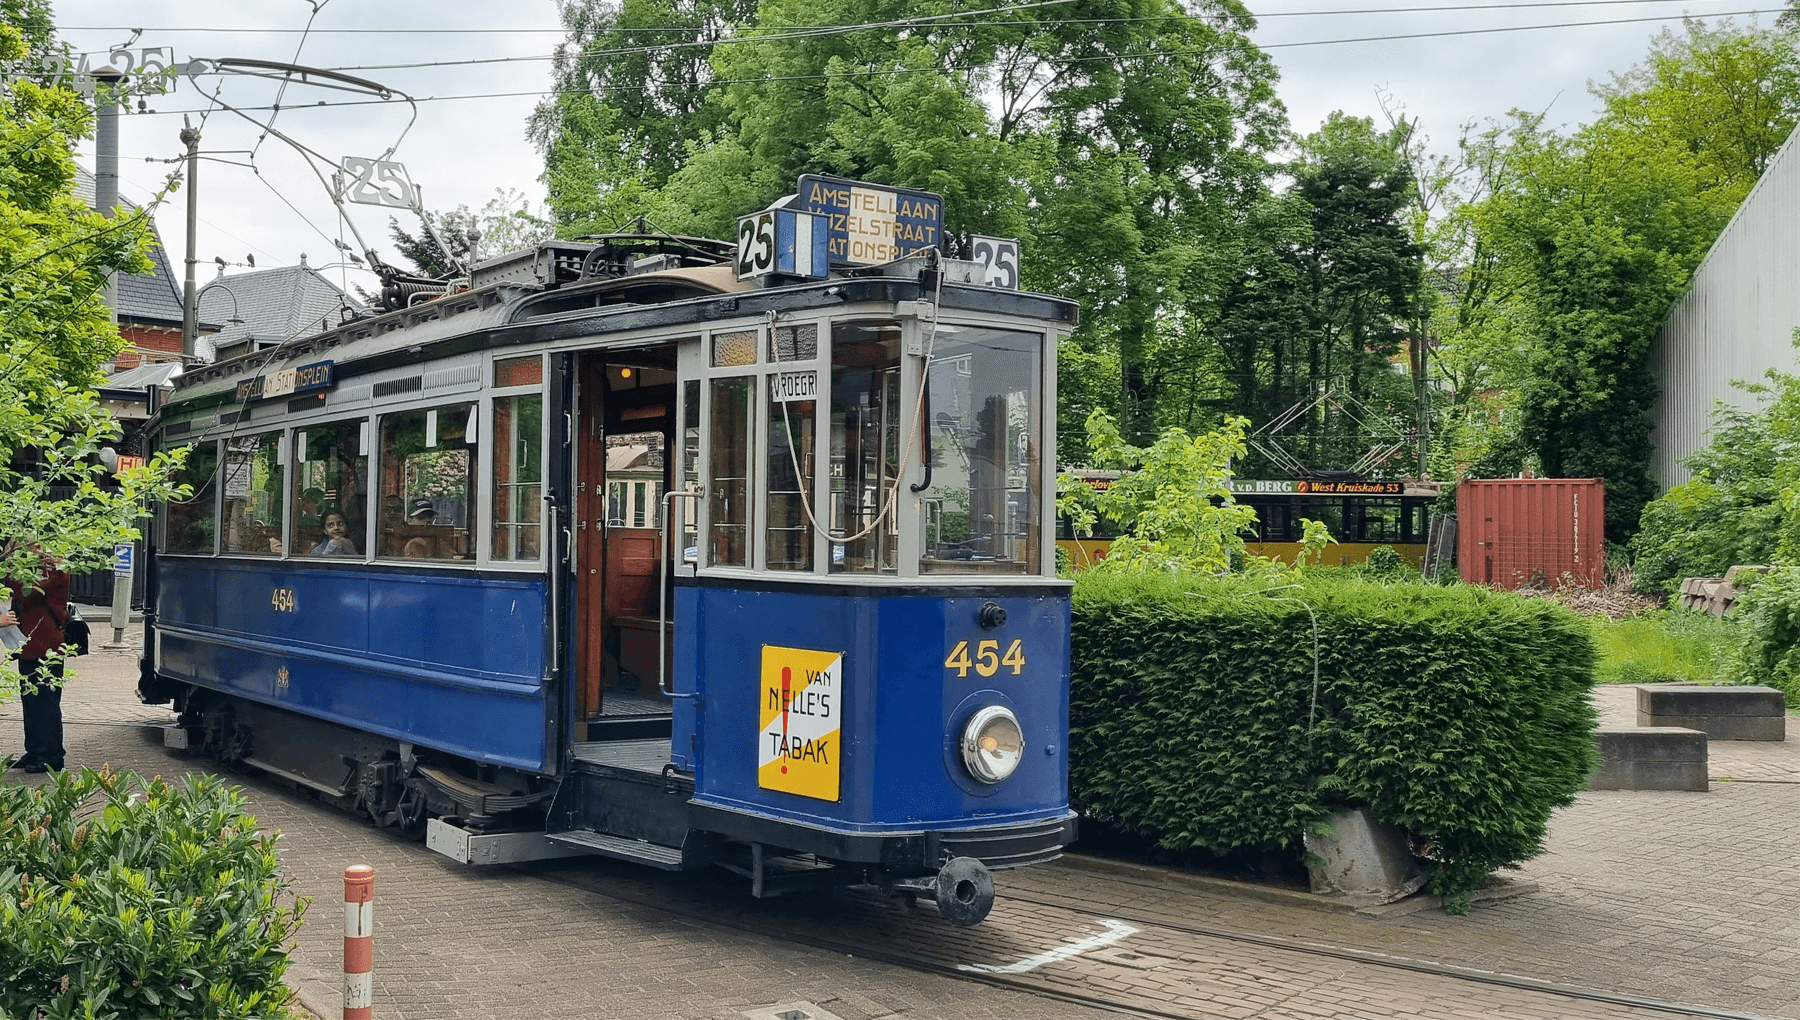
(258, 200)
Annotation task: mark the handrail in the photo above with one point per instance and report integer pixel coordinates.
(662, 594)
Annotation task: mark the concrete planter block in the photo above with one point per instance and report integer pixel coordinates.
(1366, 863)
(1722, 713)
(1651, 758)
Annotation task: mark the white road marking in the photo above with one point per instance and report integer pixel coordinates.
(1116, 930)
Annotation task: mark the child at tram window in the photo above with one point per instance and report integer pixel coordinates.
(337, 536)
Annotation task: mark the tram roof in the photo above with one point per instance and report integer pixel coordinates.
(506, 309)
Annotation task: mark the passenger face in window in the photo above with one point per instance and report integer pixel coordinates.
(337, 536)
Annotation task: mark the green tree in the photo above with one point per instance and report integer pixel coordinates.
(1172, 500)
(1325, 300)
(1594, 235)
(505, 223)
(1119, 139)
(55, 331)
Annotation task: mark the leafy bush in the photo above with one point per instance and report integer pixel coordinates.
(1384, 564)
(124, 898)
(1731, 511)
(1200, 717)
(1768, 620)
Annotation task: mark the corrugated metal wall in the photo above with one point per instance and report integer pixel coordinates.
(1513, 532)
(1737, 318)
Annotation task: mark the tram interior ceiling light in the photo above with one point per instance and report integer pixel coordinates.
(992, 744)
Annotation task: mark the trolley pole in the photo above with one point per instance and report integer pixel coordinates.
(359, 942)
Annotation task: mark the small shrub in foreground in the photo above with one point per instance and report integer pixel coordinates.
(127, 898)
(1198, 715)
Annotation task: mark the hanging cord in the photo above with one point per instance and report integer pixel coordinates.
(912, 433)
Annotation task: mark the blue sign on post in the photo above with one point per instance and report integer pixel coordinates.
(122, 558)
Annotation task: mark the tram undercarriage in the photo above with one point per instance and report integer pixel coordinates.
(620, 799)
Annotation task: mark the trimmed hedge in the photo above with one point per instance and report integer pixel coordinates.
(127, 898)
(1459, 714)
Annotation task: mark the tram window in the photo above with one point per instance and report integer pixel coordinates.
(983, 440)
(527, 371)
(634, 476)
(791, 430)
(865, 445)
(732, 349)
(518, 476)
(426, 477)
(331, 508)
(1380, 521)
(728, 498)
(192, 523)
(794, 343)
(251, 479)
(690, 468)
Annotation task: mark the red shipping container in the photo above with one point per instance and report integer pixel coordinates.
(1520, 532)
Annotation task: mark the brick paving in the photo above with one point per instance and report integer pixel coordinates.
(1666, 896)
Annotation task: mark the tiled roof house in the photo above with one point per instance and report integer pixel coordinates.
(273, 304)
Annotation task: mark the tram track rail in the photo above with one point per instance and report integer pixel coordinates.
(1435, 969)
(788, 932)
(704, 902)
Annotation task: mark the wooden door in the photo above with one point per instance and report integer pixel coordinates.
(590, 537)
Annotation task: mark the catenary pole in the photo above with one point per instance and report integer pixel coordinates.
(190, 315)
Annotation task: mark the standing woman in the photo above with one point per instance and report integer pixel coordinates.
(41, 611)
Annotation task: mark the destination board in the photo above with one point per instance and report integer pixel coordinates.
(1314, 487)
(868, 224)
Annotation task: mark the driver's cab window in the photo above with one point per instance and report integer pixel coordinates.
(984, 430)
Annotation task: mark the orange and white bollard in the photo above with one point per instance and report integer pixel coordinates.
(359, 942)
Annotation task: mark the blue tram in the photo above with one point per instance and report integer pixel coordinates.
(611, 547)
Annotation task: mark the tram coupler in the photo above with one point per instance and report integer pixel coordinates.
(963, 890)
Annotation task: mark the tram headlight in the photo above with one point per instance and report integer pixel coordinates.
(992, 744)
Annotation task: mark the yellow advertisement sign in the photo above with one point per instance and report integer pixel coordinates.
(802, 705)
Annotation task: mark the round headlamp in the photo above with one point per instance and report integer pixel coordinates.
(992, 744)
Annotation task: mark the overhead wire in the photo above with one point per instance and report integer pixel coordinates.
(1068, 21)
(938, 69)
(317, 6)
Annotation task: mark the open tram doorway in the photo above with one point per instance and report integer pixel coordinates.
(626, 408)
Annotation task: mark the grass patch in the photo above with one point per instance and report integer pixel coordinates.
(1678, 645)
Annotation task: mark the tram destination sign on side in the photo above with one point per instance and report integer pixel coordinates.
(1314, 487)
(288, 381)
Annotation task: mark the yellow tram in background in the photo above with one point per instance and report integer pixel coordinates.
(1360, 515)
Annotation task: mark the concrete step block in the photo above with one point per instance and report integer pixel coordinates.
(1651, 758)
(1722, 713)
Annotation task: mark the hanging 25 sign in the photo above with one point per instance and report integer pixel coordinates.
(782, 241)
(998, 258)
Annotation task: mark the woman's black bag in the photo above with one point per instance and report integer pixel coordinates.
(75, 631)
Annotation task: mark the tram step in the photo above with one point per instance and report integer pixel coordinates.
(656, 855)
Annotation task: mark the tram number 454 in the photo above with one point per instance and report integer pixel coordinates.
(987, 659)
(282, 600)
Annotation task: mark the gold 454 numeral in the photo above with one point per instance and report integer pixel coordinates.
(282, 600)
(987, 659)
